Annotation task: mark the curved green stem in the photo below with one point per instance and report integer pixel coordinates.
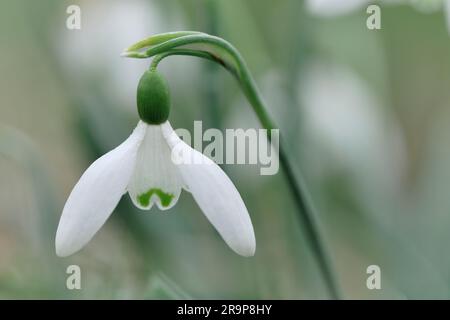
(216, 49)
(180, 52)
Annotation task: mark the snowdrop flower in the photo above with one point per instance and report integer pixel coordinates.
(334, 7)
(144, 166)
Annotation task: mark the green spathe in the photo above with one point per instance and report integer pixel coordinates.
(166, 198)
(153, 99)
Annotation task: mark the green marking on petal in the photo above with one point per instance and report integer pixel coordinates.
(166, 198)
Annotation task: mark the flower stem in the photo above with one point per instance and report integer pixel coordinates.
(306, 212)
(217, 49)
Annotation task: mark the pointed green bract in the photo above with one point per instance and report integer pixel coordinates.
(157, 39)
(153, 99)
(166, 198)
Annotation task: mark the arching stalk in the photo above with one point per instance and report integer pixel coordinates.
(218, 50)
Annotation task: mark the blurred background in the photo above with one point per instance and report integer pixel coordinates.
(366, 115)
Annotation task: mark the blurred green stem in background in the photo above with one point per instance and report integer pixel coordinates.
(218, 50)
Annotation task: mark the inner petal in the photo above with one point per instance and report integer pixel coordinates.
(155, 178)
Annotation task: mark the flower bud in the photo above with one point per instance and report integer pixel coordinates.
(153, 98)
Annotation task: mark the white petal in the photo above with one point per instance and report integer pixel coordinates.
(155, 178)
(215, 194)
(96, 195)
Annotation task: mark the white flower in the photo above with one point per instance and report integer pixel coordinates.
(143, 166)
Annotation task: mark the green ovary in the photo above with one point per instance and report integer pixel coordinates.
(166, 198)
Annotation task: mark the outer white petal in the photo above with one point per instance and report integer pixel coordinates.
(333, 7)
(215, 194)
(96, 194)
(155, 178)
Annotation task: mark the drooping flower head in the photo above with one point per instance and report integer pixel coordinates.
(153, 165)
